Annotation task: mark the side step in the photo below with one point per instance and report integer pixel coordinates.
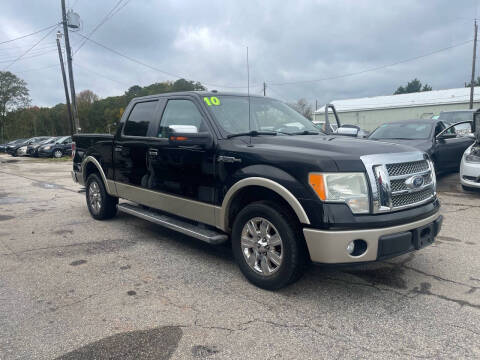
(173, 223)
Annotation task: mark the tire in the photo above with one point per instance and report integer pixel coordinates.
(101, 205)
(263, 263)
(57, 153)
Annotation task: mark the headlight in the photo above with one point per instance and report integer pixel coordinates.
(349, 188)
(23, 148)
(47, 148)
(473, 154)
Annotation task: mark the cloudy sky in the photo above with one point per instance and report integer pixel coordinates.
(291, 43)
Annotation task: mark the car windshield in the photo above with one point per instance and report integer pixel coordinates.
(407, 131)
(231, 112)
(61, 139)
(456, 116)
(47, 141)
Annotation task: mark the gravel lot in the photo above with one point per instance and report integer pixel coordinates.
(75, 288)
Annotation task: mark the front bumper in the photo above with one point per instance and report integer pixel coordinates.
(470, 173)
(330, 247)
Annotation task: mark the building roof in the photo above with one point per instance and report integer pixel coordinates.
(425, 98)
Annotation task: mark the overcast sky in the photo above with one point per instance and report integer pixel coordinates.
(205, 41)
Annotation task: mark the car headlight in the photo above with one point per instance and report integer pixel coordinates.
(349, 188)
(47, 147)
(472, 154)
(23, 148)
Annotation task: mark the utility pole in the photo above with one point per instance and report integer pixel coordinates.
(264, 89)
(472, 81)
(70, 69)
(65, 85)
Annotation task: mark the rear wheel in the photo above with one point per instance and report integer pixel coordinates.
(57, 153)
(101, 205)
(268, 245)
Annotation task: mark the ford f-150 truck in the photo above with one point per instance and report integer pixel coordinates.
(250, 170)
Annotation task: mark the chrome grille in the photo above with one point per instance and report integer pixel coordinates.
(411, 198)
(394, 180)
(407, 168)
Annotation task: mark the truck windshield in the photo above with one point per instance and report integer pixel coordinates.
(231, 113)
(407, 131)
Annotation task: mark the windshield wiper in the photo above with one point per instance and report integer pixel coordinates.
(305, 132)
(252, 133)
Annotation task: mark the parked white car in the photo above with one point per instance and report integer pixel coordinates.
(470, 168)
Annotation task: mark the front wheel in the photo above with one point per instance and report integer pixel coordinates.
(101, 205)
(57, 154)
(268, 246)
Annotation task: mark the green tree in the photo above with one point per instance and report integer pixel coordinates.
(13, 95)
(412, 86)
(475, 82)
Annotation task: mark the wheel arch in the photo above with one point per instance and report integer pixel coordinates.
(236, 192)
(91, 165)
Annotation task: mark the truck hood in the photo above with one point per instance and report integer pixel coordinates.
(344, 151)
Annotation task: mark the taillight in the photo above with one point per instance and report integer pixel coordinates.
(73, 149)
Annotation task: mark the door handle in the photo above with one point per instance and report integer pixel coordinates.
(153, 152)
(118, 148)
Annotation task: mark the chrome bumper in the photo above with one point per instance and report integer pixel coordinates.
(330, 247)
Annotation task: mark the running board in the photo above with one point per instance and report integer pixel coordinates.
(173, 223)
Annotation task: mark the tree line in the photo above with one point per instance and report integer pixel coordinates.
(18, 119)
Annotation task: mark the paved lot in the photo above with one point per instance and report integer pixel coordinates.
(75, 288)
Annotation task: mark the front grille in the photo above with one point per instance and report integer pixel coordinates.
(471, 178)
(411, 198)
(399, 184)
(407, 168)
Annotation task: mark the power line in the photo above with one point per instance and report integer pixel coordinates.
(152, 67)
(37, 69)
(109, 15)
(24, 36)
(28, 57)
(26, 52)
(372, 69)
(101, 75)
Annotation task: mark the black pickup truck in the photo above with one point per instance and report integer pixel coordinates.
(227, 167)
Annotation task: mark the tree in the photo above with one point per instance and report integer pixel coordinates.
(303, 108)
(13, 95)
(413, 86)
(475, 82)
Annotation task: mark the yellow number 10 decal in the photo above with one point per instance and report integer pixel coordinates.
(212, 101)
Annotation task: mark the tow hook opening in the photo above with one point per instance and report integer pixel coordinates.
(357, 247)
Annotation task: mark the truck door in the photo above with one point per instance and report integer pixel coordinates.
(182, 173)
(131, 146)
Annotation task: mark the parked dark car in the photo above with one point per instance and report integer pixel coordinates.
(32, 149)
(61, 147)
(438, 139)
(12, 143)
(20, 147)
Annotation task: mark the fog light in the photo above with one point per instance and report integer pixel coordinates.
(350, 247)
(357, 247)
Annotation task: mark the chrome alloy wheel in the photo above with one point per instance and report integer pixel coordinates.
(262, 246)
(95, 197)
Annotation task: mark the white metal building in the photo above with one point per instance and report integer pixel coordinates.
(370, 112)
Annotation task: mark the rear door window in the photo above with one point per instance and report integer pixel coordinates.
(140, 118)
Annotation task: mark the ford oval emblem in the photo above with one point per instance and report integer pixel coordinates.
(414, 182)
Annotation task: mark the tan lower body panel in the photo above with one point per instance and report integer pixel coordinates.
(190, 209)
(330, 247)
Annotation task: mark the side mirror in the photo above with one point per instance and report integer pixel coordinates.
(348, 130)
(188, 139)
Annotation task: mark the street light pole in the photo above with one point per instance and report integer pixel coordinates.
(65, 85)
(70, 68)
(472, 81)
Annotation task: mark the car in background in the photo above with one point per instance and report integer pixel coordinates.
(11, 143)
(19, 148)
(456, 116)
(470, 168)
(438, 139)
(32, 149)
(61, 147)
